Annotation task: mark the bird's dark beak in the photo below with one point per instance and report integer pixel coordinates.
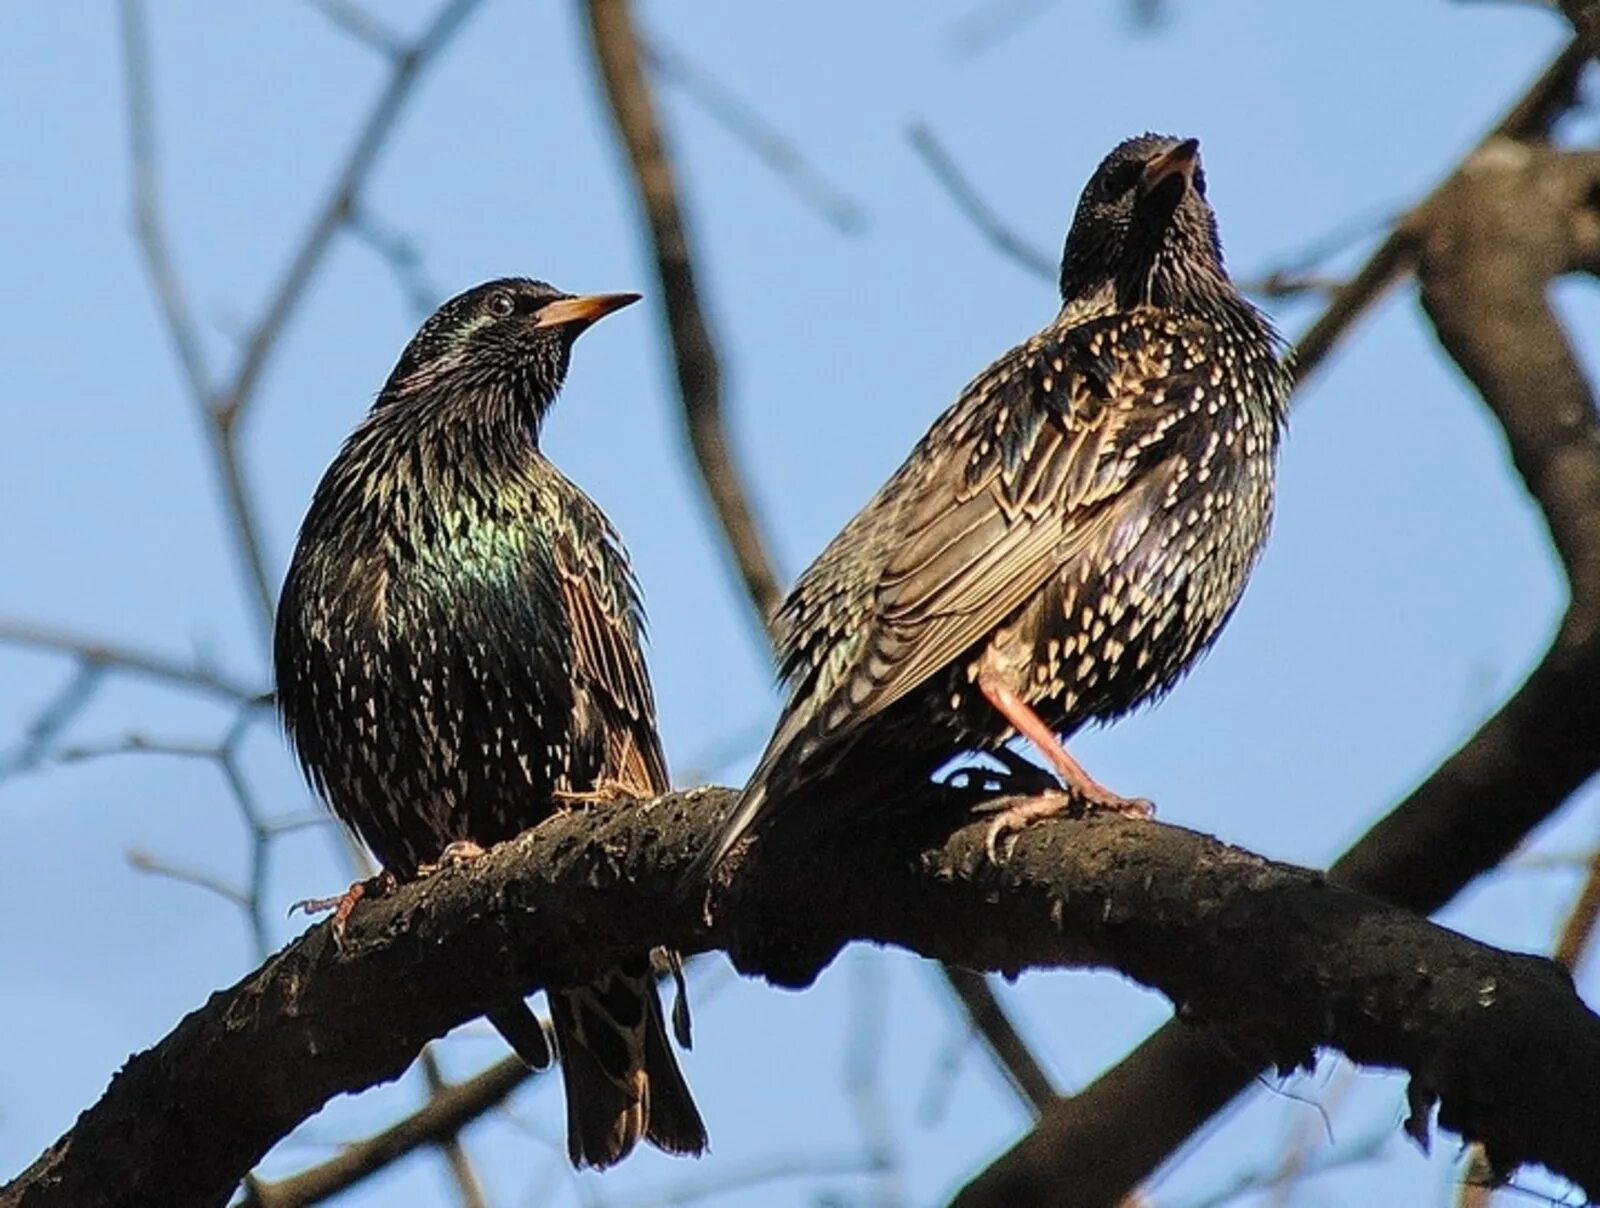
(1181, 161)
(581, 311)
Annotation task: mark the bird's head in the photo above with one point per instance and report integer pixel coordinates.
(1144, 232)
(503, 344)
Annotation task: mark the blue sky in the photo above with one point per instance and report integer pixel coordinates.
(1407, 587)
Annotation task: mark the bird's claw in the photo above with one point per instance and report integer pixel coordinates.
(1016, 815)
(372, 887)
(1012, 816)
(455, 854)
(604, 791)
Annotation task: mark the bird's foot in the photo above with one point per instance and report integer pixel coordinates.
(1018, 815)
(373, 887)
(1095, 797)
(1052, 803)
(454, 855)
(603, 792)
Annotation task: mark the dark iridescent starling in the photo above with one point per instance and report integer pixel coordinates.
(1068, 538)
(458, 650)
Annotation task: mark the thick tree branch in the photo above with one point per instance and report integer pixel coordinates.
(1265, 961)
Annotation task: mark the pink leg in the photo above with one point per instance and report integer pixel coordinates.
(342, 905)
(1082, 787)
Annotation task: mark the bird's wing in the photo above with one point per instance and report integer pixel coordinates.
(602, 605)
(1013, 483)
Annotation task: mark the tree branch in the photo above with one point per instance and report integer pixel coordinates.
(95, 652)
(445, 1114)
(1264, 960)
(618, 58)
(223, 407)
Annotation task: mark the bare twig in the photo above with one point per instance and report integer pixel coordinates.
(765, 142)
(409, 64)
(747, 1176)
(615, 43)
(468, 1190)
(1548, 96)
(989, 23)
(52, 719)
(1573, 942)
(156, 866)
(224, 406)
(865, 1039)
(447, 1112)
(1010, 1052)
(977, 211)
(1275, 1179)
(362, 25)
(93, 652)
(401, 255)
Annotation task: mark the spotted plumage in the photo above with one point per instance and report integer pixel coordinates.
(1065, 541)
(458, 648)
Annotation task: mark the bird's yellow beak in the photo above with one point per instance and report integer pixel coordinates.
(582, 310)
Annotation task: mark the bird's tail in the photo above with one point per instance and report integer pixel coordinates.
(622, 1080)
(524, 1033)
(740, 820)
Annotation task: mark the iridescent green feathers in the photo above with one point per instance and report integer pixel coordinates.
(458, 651)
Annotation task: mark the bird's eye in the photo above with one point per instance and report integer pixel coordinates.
(502, 304)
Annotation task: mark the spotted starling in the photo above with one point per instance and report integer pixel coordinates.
(458, 651)
(1064, 543)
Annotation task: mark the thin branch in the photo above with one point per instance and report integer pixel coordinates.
(760, 137)
(1006, 1046)
(865, 1040)
(468, 1190)
(179, 319)
(447, 1112)
(1578, 928)
(1276, 1180)
(223, 407)
(747, 1176)
(97, 653)
(990, 23)
(374, 136)
(615, 44)
(977, 211)
(362, 25)
(397, 251)
(52, 719)
(1551, 94)
(156, 866)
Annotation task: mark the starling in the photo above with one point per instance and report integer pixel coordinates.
(1067, 539)
(458, 651)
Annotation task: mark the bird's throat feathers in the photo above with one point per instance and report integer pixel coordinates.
(493, 402)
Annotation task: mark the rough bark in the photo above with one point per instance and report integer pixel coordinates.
(1264, 961)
